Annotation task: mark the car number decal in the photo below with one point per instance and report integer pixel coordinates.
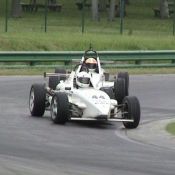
(99, 99)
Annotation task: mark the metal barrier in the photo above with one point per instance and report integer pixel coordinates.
(123, 59)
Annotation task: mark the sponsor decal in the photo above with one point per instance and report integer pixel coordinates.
(94, 97)
(99, 99)
(102, 97)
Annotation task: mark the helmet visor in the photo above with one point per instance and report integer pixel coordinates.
(84, 80)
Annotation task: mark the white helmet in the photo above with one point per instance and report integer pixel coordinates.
(83, 79)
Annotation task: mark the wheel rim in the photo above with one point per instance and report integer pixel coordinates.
(125, 110)
(54, 109)
(31, 100)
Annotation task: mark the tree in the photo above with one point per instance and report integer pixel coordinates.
(112, 10)
(95, 10)
(16, 8)
(164, 9)
(52, 1)
(127, 1)
(102, 5)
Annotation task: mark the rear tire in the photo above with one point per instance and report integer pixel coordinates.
(37, 100)
(119, 90)
(61, 71)
(108, 91)
(60, 108)
(106, 76)
(125, 76)
(54, 81)
(131, 110)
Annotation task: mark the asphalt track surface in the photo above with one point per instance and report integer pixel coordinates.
(35, 146)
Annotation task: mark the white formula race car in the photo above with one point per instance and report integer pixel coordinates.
(85, 94)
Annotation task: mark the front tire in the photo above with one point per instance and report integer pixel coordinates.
(60, 108)
(131, 110)
(37, 100)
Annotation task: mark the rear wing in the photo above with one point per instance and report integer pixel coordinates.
(91, 53)
(55, 74)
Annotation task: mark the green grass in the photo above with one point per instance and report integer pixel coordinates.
(40, 71)
(171, 128)
(76, 41)
(142, 31)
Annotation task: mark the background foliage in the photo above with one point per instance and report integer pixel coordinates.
(142, 30)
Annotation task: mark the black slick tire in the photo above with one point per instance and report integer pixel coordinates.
(53, 82)
(125, 76)
(119, 90)
(60, 108)
(108, 91)
(61, 71)
(37, 100)
(106, 76)
(131, 110)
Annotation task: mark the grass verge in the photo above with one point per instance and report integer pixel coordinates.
(75, 41)
(171, 128)
(40, 71)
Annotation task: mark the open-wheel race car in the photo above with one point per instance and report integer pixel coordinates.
(86, 93)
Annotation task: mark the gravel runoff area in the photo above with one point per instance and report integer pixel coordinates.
(156, 134)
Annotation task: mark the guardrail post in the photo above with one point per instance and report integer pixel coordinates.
(138, 62)
(66, 63)
(173, 61)
(31, 63)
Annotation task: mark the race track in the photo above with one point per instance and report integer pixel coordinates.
(35, 146)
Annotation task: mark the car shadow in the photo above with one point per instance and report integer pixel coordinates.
(93, 124)
(74, 123)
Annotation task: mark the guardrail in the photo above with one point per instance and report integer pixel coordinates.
(121, 59)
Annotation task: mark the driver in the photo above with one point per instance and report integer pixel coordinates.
(83, 79)
(91, 63)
